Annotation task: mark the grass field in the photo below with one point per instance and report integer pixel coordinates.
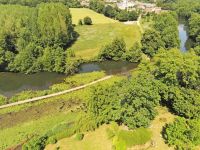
(80, 13)
(96, 140)
(39, 117)
(92, 38)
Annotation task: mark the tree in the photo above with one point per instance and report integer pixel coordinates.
(109, 11)
(132, 15)
(114, 50)
(134, 54)
(182, 133)
(123, 16)
(151, 42)
(87, 21)
(80, 22)
(96, 5)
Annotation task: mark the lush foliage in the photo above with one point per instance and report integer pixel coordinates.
(129, 102)
(117, 51)
(33, 39)
(184, 134)
(71, 3)
(163, 35)
(87, 20)
(113, 12)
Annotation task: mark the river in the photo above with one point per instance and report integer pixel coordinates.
(186, 42)
(12, 83)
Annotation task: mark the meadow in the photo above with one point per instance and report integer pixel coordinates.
(92, 38)
(80, 13)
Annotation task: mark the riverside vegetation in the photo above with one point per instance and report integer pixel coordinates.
(128, 105)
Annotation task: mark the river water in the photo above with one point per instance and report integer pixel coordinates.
(12, 83)
(186, 42)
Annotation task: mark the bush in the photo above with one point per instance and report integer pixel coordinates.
(87, 21)
(36, 143)
(114, 50)
(3, 100)
(79, 136)
(80, 22)
(183, 134)
(51, 140)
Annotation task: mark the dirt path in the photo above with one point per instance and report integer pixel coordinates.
(156, 127)
(54, 94)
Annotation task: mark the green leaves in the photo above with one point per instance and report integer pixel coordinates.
(184, 134)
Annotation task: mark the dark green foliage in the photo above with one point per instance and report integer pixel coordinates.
(97, 5)
(185, 102)
(112, 12)
(132, 15)
(129, 102)
(123, 16)
(114, 50)
(36, 143)
(87, 20)
(194, 28)
(163, 35)
(109, 11)
(139, 102)
(166, 24)
(80, 22)
(184, 134)
(174, 68)
(34, 39)
(151, 42)
(134, 54)
(33, 3)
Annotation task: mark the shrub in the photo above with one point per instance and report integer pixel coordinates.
(3, 100)
(51, 140)
(79, 136)
(36, 143)
(182, 133)
(114, 50)
(87, 21)
(80, 22)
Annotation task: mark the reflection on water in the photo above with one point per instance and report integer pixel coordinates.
(12, 83)
(186, 42)
(110, 67)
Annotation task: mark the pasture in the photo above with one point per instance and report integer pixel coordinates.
(80, 13)
(92, 38)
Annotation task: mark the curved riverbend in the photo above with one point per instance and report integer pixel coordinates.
(12, 83)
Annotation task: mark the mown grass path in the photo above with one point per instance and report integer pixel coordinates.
(55, 94)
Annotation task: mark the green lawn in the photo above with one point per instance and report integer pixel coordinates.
(80, 13)
(92, 38)
(52, 112)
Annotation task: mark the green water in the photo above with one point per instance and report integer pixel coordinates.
(12, 83)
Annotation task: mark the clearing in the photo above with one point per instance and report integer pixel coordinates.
(98, 139)
(92, 38)
(80, 13)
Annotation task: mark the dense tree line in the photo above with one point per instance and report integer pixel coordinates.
(116, 50)
(184, 8)
(194, 28)
(164, 34)
(171, 79)
(131, 102)
(184, 134)
(113, 12)
(34, 39)
(33, 3)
